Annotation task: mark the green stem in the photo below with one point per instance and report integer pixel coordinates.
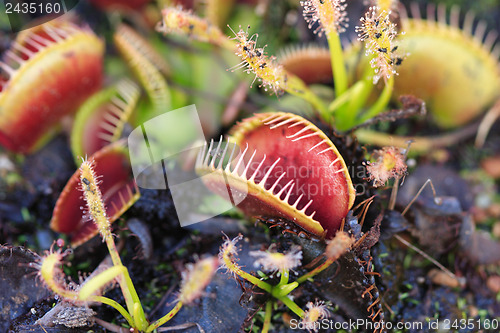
(337, 60)
(352, 109)
(357, 103)
(292, 306)
(253, 280)
(116, 305)
(230, 265)
(128, 289)
(348, 114)
(280, 291)
(344, 98)
(165, 318)
(285, 275)
(381, 102)
(267, 317)
(345, 115)
(420, 144)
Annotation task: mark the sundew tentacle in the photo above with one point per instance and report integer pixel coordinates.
(378, 33)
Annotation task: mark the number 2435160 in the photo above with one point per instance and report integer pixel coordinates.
(33, 8)
(471, 324)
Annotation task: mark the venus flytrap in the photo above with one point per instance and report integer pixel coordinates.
(274, 262)
(145, 66)
(194, 279)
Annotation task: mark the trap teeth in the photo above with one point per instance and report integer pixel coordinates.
(280, 173)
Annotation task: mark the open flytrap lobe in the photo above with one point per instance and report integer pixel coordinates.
(46, 74)
(310, 63)
(456, 71)
(451, 66)
(102, 118)
(118, 189)
(287, 168)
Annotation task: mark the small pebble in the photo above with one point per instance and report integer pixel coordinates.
(473, 311)
(6, 164)
(439, 277)
(496, 229)
(492, 166)
(493, 283)
(494, 209)
(480, 215)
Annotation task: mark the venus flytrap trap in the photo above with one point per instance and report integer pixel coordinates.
(34, 78)
(273, 262)
(440, 49)
(101, 120)
(146, 66)
(194, 279)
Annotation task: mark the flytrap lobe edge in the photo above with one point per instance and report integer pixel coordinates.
(287, 168)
